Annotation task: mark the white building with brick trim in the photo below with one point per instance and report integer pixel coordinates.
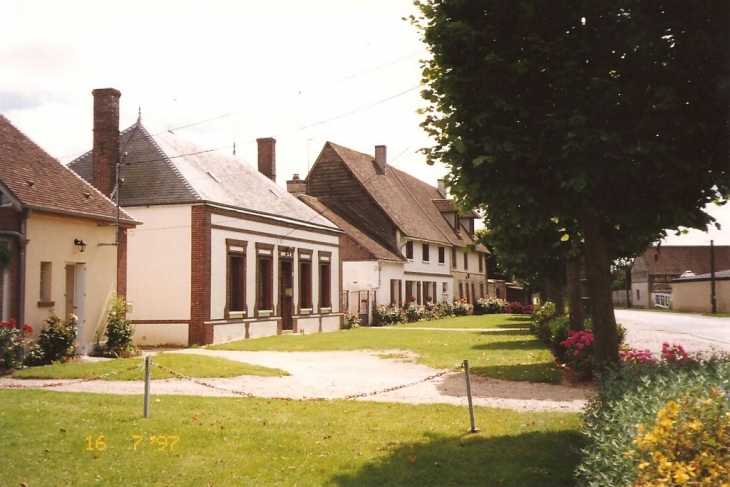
(224, 253)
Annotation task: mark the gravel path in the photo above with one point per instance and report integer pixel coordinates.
(334, 375)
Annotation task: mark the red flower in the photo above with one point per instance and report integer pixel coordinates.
(413, 298)
(4, 324)
(27, 329)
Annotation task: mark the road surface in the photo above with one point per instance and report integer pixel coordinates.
(696, 333)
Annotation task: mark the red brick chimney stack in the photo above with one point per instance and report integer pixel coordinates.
(105, 153)
(267, 157)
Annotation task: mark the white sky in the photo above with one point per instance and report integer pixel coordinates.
(302, 71)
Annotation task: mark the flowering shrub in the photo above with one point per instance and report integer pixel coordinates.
(488, 306)
(462, 308)
(636, 356)
(444, 310)
(56, 342)
(579, 352)
(689, 443)
(352, 320)
(675, 354)
(387, 315)
(414, 313)
(12, 341)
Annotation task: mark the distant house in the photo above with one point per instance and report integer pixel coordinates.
(405, 241)
(694, 293)
(654, 272)
(58, 241)
(225, 253)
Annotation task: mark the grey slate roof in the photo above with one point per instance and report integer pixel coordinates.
(407, 200)
(163, 169)
(38, 181)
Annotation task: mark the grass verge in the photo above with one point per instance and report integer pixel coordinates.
(483, 321)
(503, 354)
(59, 439)
(191, 365)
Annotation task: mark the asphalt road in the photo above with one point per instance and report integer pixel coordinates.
(696, 333)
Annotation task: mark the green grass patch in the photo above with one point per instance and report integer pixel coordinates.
(483, 321)
(77, 439)
(500, 354)
(192, 365)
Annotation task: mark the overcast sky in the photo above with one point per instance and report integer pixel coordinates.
(302, 71)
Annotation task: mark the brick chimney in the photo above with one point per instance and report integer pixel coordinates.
(381, 157)
(267, 157)
(105, 153)
(296, 186)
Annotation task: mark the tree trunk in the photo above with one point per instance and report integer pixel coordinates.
(554, 291)
(598, 274)
(575, 303)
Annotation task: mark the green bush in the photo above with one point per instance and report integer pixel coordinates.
(387, 315)
(627, 405)
(56, 343)
(559, 329)
(12, 341)
(119, 330)
(489, 306)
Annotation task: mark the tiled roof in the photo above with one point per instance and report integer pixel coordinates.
(674, 260)
(408, 201)
(38, 181)
(165, 169)
(724, 275)
(376, 249)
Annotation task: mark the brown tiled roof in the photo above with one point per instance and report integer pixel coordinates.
(377, 250)
(674, 260)
(165, 169)
(40, 182)
(408, 201)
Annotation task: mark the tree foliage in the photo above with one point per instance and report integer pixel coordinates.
(606, 117)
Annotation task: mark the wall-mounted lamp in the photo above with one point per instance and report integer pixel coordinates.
(80, 244)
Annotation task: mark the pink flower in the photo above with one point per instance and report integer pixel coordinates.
(576, 353)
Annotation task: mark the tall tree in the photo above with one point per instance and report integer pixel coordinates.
(610, 115)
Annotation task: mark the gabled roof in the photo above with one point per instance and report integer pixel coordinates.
(164, 169)
(37, 181)
(720, 275)
(408, 201)
(330, 210)
(674, 260)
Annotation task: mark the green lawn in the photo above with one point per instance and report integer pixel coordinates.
(504, 354)
(484, 321)
(77, 439)
(192, 365)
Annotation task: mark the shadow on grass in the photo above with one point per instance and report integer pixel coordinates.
(525, 345)
(527, 459)
(546, 373)
(509, 332)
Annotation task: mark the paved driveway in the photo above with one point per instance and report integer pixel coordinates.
(649, 329)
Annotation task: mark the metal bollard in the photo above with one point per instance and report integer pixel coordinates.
(147, 367)
(473, 429)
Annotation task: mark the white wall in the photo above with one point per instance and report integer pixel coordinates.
(259, 232)
(158, 263)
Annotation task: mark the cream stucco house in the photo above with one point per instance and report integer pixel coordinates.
(224, 253)
(60, 239)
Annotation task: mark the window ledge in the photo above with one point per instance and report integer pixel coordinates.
(305, 311)
(265, 313)
(236, 314)
(325, 310)
(46, 304)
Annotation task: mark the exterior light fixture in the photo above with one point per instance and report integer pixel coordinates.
(80, 244)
